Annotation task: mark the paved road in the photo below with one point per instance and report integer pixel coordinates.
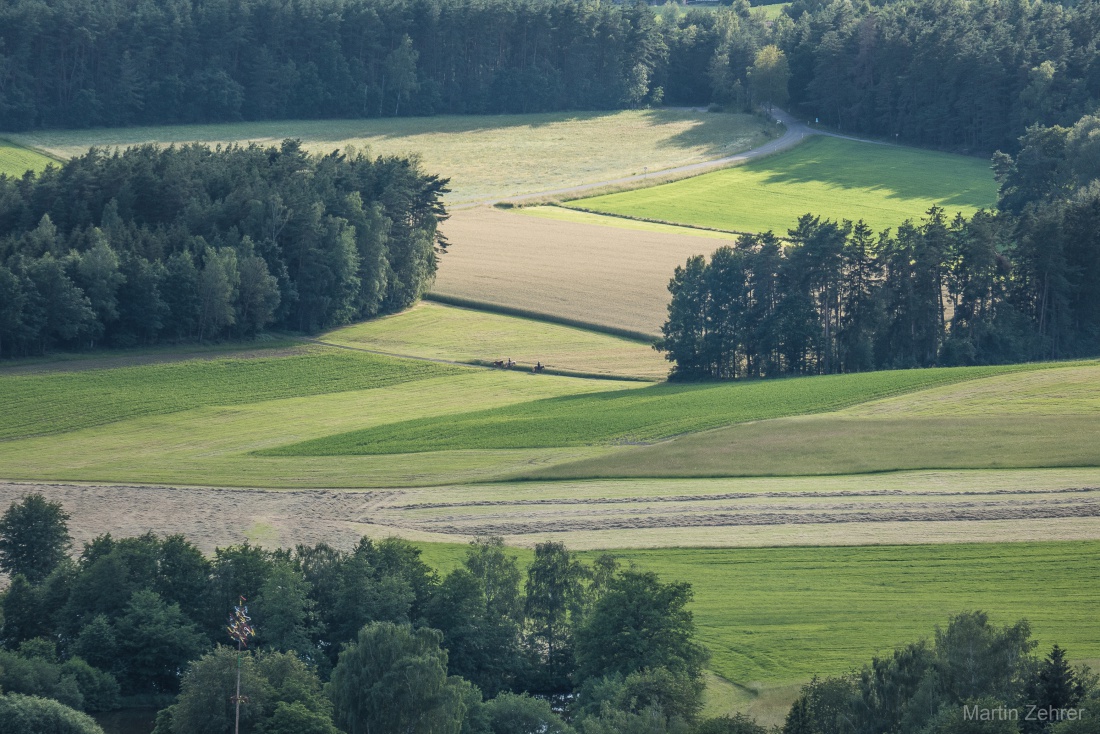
(796, 132)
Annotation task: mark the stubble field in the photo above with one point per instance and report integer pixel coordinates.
(484, 156)
(578, 271)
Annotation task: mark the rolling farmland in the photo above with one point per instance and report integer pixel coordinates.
(977, 425)
(836, 178)
(784, 502)
(255, 420)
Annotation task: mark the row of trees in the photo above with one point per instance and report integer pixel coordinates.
(371, 640)
(188, 243)
(837, 297)
(946, 73)
(943, 686)
(78, 63)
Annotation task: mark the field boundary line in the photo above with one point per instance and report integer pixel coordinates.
(480, 364)
(633, 218)
(475, 305)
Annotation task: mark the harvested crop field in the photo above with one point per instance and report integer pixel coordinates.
(607, 276)
(483, 156)
(904, 507)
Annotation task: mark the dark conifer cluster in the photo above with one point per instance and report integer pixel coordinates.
(1013, 286)
(181, 244)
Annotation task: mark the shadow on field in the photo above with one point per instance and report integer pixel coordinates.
(898, 173)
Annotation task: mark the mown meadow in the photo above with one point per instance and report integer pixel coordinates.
(773, 617)
(837, 178)
(437, 331)
(1042, 418)
(544, 151)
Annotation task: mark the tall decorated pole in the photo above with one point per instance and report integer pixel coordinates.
(240, 629)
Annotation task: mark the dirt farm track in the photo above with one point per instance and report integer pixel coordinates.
(857, 510)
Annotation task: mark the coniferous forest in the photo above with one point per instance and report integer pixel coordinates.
(190, 243)
(1015, 285)
(968, 76)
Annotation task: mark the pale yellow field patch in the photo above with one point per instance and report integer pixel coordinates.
(484, 156)
(608, 276)
(437, 331)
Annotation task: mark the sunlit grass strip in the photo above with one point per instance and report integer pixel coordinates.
(839, 179)
(634, 416)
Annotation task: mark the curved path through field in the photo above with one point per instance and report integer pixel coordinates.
(795, 133)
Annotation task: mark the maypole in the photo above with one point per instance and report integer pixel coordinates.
(240, 630)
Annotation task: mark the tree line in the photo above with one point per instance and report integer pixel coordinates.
(79, 63)
(365, 640)
(179, 244)
(968, 76)
(1013, 286)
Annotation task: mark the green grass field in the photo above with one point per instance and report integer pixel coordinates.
(771, 12)
(774, 617)
(66, 401)
(618, 417)
(543, 151)
(1047, 418)
(840, 179)
(198, 421)
(436, 331)
(15, 160)
(564, 214)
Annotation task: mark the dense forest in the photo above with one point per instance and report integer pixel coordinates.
(365, 640)
(946, 73)
(1013, 286)
(66, 63)
(190, 243)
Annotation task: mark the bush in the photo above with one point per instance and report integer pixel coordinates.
(32, 715)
